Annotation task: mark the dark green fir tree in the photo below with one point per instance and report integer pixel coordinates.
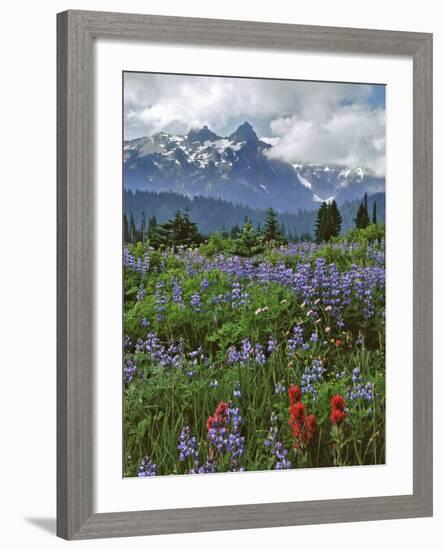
(334, 221)
(272, 232)
(132, 230)
(143, 227)
(126, 233)
(362, 219)
(374, 217)
(179, 230)
(321, 223)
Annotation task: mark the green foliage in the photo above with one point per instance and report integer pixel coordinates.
(370, 234)
(249, 242)
(216, 244)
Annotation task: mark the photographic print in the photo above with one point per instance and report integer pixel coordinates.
(253, 274)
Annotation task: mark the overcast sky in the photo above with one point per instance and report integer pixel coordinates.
(305, 121)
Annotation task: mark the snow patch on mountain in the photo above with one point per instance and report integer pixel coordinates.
(304, 181)
(317, 198)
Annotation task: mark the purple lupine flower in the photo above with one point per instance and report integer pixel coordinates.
(205, 283)
(238, 296)
(209, 467)
(311, 376)
(359, 389)
(129, 370)
(141, 293)
(196, 302)
(139, 265)
(271, 345)
(281, 454)
(147, 468)
(280, 388)
(161, 301)
(177, 293)
(126, 341)
(233, 356)
(187, 445)
(277, 447)
(297, 340)
(224, 433)
(259, 355)
(272, 432)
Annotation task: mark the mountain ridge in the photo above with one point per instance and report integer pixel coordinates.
(239, 168)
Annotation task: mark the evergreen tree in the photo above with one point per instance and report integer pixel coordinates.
(178, 231)
(374, 218)
(362, 219)
(152, 223)
(132, 230)
(272, 232)
(321, 223)
(333, 222)
(143, 227)
(248, 242)
(126, 233)
(235, 230)
(328, 222)
(152, 235)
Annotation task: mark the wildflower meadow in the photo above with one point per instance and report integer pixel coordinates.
(244, 352)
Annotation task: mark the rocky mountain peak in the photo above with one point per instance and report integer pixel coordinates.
(201, 135)
(245, 132)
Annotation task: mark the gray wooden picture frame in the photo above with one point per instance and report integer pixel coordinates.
(76, 32)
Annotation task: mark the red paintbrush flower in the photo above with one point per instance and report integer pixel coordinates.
(221, 409)
(337, 402)
(310, 427)
(297, 412)
(337, 416)
(219, 416)
(210, 422)
(337, 408)
(303, 427)
(295, 394)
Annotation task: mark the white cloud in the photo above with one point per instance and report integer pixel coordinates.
(351, 136)
(308, 121)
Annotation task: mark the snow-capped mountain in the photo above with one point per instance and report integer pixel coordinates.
(329, 182)
(236, 168)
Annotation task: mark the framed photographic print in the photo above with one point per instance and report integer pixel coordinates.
(244, 274)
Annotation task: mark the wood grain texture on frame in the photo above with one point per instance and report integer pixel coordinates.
(76, 31)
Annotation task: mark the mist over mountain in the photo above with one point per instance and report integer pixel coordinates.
(238, 168)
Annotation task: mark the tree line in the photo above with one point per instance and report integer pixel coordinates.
(329, 220)
(181, 230)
